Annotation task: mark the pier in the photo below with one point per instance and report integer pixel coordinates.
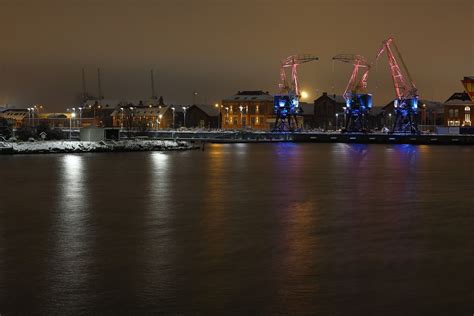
(314, 137)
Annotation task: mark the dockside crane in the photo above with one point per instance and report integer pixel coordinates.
(406, 102)
(358, 101)
(286, 104)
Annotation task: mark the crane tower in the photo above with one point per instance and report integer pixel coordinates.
(286, 104)
(358, 102)
(406, 102)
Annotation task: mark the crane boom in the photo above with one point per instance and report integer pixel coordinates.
(292, 62)
(406, 103)
(354, 86)
(358, 102)
(286, 104)
(404, 86)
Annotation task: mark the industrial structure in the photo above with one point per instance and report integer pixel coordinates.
(358, 101)
(285, 104)
(406, 102)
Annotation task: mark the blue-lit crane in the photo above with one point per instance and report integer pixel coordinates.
(358, 102)
(286, 104)
(406, 102)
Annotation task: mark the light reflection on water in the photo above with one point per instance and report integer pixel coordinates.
(70, 259)
(159, 235)
(247, 229)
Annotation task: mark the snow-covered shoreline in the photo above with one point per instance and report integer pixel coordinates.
(83, 147)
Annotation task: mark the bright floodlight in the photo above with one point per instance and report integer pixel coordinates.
(304, 94)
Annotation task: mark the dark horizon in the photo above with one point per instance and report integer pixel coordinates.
(217, 47)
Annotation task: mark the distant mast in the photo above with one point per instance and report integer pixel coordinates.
(152, 78)
(101, 97)
(84, 88)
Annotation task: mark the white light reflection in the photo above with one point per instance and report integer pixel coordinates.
(71, 257)
(159, 236)
(159, 195)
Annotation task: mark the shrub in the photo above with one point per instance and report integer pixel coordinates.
(25, 132)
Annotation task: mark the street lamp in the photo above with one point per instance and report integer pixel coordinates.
(424, 117)
(29, 116)
(159, 120)
(73, 115)
(173, 115)
(74, 111)
(184, 113)
(34, 108)
(337, 120)
(390, 119)
(241, 116)
(80, 116)
(227, 115)
(218, 115)
(32, 116)
(344, 123)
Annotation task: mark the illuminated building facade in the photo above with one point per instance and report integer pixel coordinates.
(459, 107)
(458, 110)
(151, 117)
(247, 109)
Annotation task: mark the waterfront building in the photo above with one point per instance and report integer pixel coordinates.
(325, 109)
(308, 115)
(16, 117)
(458, 109)
(150, 117)
(247, 109)
(203, 116)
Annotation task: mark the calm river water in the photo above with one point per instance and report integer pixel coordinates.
(334, 229)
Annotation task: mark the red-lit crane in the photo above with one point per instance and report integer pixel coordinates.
(292, 62)
(406, 104)
(286, 104)
(358, 101)
(354, 85)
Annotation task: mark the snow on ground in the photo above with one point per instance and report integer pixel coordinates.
(79, 146)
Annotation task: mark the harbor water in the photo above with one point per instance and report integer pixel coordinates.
(282, 228)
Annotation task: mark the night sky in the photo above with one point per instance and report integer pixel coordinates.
(218, 47)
